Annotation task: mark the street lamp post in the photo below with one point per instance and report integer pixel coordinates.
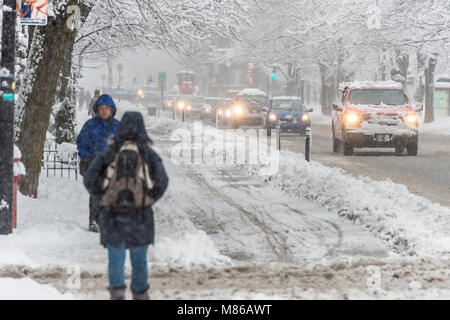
(7, 87)
(120, 68)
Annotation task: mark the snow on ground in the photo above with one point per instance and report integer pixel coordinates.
(441, 126)
(409, 223)
(52, 230)
(27, 289)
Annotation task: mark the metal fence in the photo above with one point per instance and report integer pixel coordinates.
(59, 163)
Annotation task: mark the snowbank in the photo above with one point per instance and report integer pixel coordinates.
(27, 289)
(441, 126)
(411, 224)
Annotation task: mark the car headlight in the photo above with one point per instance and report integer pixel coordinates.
(189, 107)
(220, 112)
(181, 105)
(207, 110)
(352, 118)
(411, 118)
(228, 113)
(272, 117)
(305, 117)
(238, 110)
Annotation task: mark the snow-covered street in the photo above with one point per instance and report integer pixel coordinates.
(231, 150)
(228, 232)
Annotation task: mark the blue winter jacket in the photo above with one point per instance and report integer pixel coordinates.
(92, 132)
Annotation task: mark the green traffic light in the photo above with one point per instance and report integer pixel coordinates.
(274, 76)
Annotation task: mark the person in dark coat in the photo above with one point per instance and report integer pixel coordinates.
(92, 103)
(90, 143)
(121, 231)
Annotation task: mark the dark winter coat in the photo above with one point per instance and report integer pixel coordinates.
(135, 229)
(92, 132)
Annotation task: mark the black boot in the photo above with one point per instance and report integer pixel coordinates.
(117, 293)
(93, 227)
(141, 295)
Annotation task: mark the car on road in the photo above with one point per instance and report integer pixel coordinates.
(290, 113)
(248, 108)
(192, 105)
(375, 115)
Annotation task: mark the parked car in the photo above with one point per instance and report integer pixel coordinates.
(290, 113)
(375, 114)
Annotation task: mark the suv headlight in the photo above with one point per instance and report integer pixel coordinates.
(352, 118)
(411, 118)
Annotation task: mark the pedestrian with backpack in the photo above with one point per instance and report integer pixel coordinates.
(128, 177)
(92, 140)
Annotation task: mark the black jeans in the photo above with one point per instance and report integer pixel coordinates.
(94, 209)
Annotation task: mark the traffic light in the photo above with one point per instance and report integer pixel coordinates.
(274, 74)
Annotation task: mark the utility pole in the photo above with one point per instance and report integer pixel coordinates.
(274, 76)
(7, 86)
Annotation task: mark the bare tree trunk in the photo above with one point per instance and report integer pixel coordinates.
(52, 41)
(402, 60)
(327, 90)
(420, 91)
(429, 88)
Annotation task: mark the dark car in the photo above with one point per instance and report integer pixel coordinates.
(375, 115)
(290, 113)
(248, 108)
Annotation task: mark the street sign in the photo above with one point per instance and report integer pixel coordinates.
(162, 76)
(8, 97)
(33, 12)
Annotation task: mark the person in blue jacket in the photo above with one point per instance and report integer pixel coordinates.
(135, 231)
(92, 140)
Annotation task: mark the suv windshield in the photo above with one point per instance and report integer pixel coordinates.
(288, 105)
(260, 101)
(390, 97)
